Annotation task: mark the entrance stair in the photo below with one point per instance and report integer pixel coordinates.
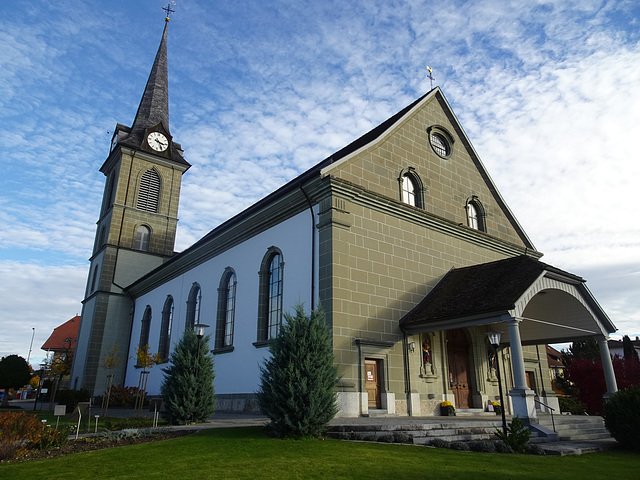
(574, 435)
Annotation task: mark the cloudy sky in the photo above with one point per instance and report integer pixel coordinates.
(261, 90)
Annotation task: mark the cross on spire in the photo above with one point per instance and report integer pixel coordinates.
(430, 76)
(168, 10)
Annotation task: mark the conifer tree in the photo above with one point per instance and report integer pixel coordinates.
(297, 384)
(187, 389)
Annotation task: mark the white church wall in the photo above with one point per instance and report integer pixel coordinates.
(237, 372)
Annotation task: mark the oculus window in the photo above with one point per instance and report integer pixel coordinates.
(440, 140)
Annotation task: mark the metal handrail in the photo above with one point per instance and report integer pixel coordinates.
(552, 410)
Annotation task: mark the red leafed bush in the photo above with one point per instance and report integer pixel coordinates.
(588, 377)
(123, 396)
(20, 432)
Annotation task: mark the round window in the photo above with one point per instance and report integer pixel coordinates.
(440, 144)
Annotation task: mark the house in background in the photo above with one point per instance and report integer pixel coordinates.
(617, 347)
(62, 343)
(401, 236)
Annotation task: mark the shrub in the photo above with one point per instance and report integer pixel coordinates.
(572, 405)
(123, 396)
(71, 398)
(502, 447)
(20, 432)
(439, 443)
(460, 446)
(534, 449)
(517, 435)
(297, 384)
(621, 415)
(484, 446)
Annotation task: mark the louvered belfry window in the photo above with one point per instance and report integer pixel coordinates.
(149, 193)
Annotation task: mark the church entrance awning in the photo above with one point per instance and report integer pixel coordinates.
(551, 305)
(528, 302)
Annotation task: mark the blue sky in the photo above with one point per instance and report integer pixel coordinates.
(259, 91)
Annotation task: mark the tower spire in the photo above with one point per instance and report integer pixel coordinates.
(154, 105)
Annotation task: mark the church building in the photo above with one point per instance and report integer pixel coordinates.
(401, 236)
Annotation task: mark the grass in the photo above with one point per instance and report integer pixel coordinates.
(247, 453)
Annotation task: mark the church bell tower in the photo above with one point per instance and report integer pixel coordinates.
(136, 229)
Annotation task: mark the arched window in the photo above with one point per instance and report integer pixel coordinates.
(145, 327)
(408, 191)
(143, 238)
(109, 191)
(226, 309)
(94, 280)
(165, 329)
(193, 307)
(475, 214)
(149, 191)
(411, 190)
(103, 237)
(270, 297)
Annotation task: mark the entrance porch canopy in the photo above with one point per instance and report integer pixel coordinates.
(550, 305)
(526, 300)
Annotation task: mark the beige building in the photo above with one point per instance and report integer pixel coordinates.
(403, 238)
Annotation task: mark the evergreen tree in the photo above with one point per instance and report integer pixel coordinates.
(297, 384)
(187, 389)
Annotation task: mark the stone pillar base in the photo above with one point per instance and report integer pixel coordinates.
(348, 404)
(523, 405)
(414, 405)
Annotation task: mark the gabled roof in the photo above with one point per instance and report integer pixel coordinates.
(479, 289)
(374, 135)
(553, 305)
(64, 336)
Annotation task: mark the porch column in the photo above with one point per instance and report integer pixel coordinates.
(607, 367)
(521, 395)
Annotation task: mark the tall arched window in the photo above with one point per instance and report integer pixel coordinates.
(143, 238)
(94, 280)
(475, 214)
(145, 327)
(165, 329)
(270, 297)
(149, 191)
(408, 191)
(226, 309)
(411, 190)
(193, 307)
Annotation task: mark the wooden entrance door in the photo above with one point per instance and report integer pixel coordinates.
(531, 381)
(459, 375)
(372, 382)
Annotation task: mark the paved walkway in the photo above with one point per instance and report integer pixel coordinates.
(229, 420)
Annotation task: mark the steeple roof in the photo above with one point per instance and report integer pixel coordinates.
(154, 105)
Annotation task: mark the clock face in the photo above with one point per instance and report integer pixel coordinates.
(157, 141)
(114, 141)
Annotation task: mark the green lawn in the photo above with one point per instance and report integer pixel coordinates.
(247, 453)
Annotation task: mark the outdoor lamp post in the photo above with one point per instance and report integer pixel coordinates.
(199, 329)
(494, 339)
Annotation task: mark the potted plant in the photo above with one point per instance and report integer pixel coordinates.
(497, 407)
(447, 409)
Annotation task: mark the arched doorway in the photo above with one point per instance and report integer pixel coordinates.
(459, 373)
